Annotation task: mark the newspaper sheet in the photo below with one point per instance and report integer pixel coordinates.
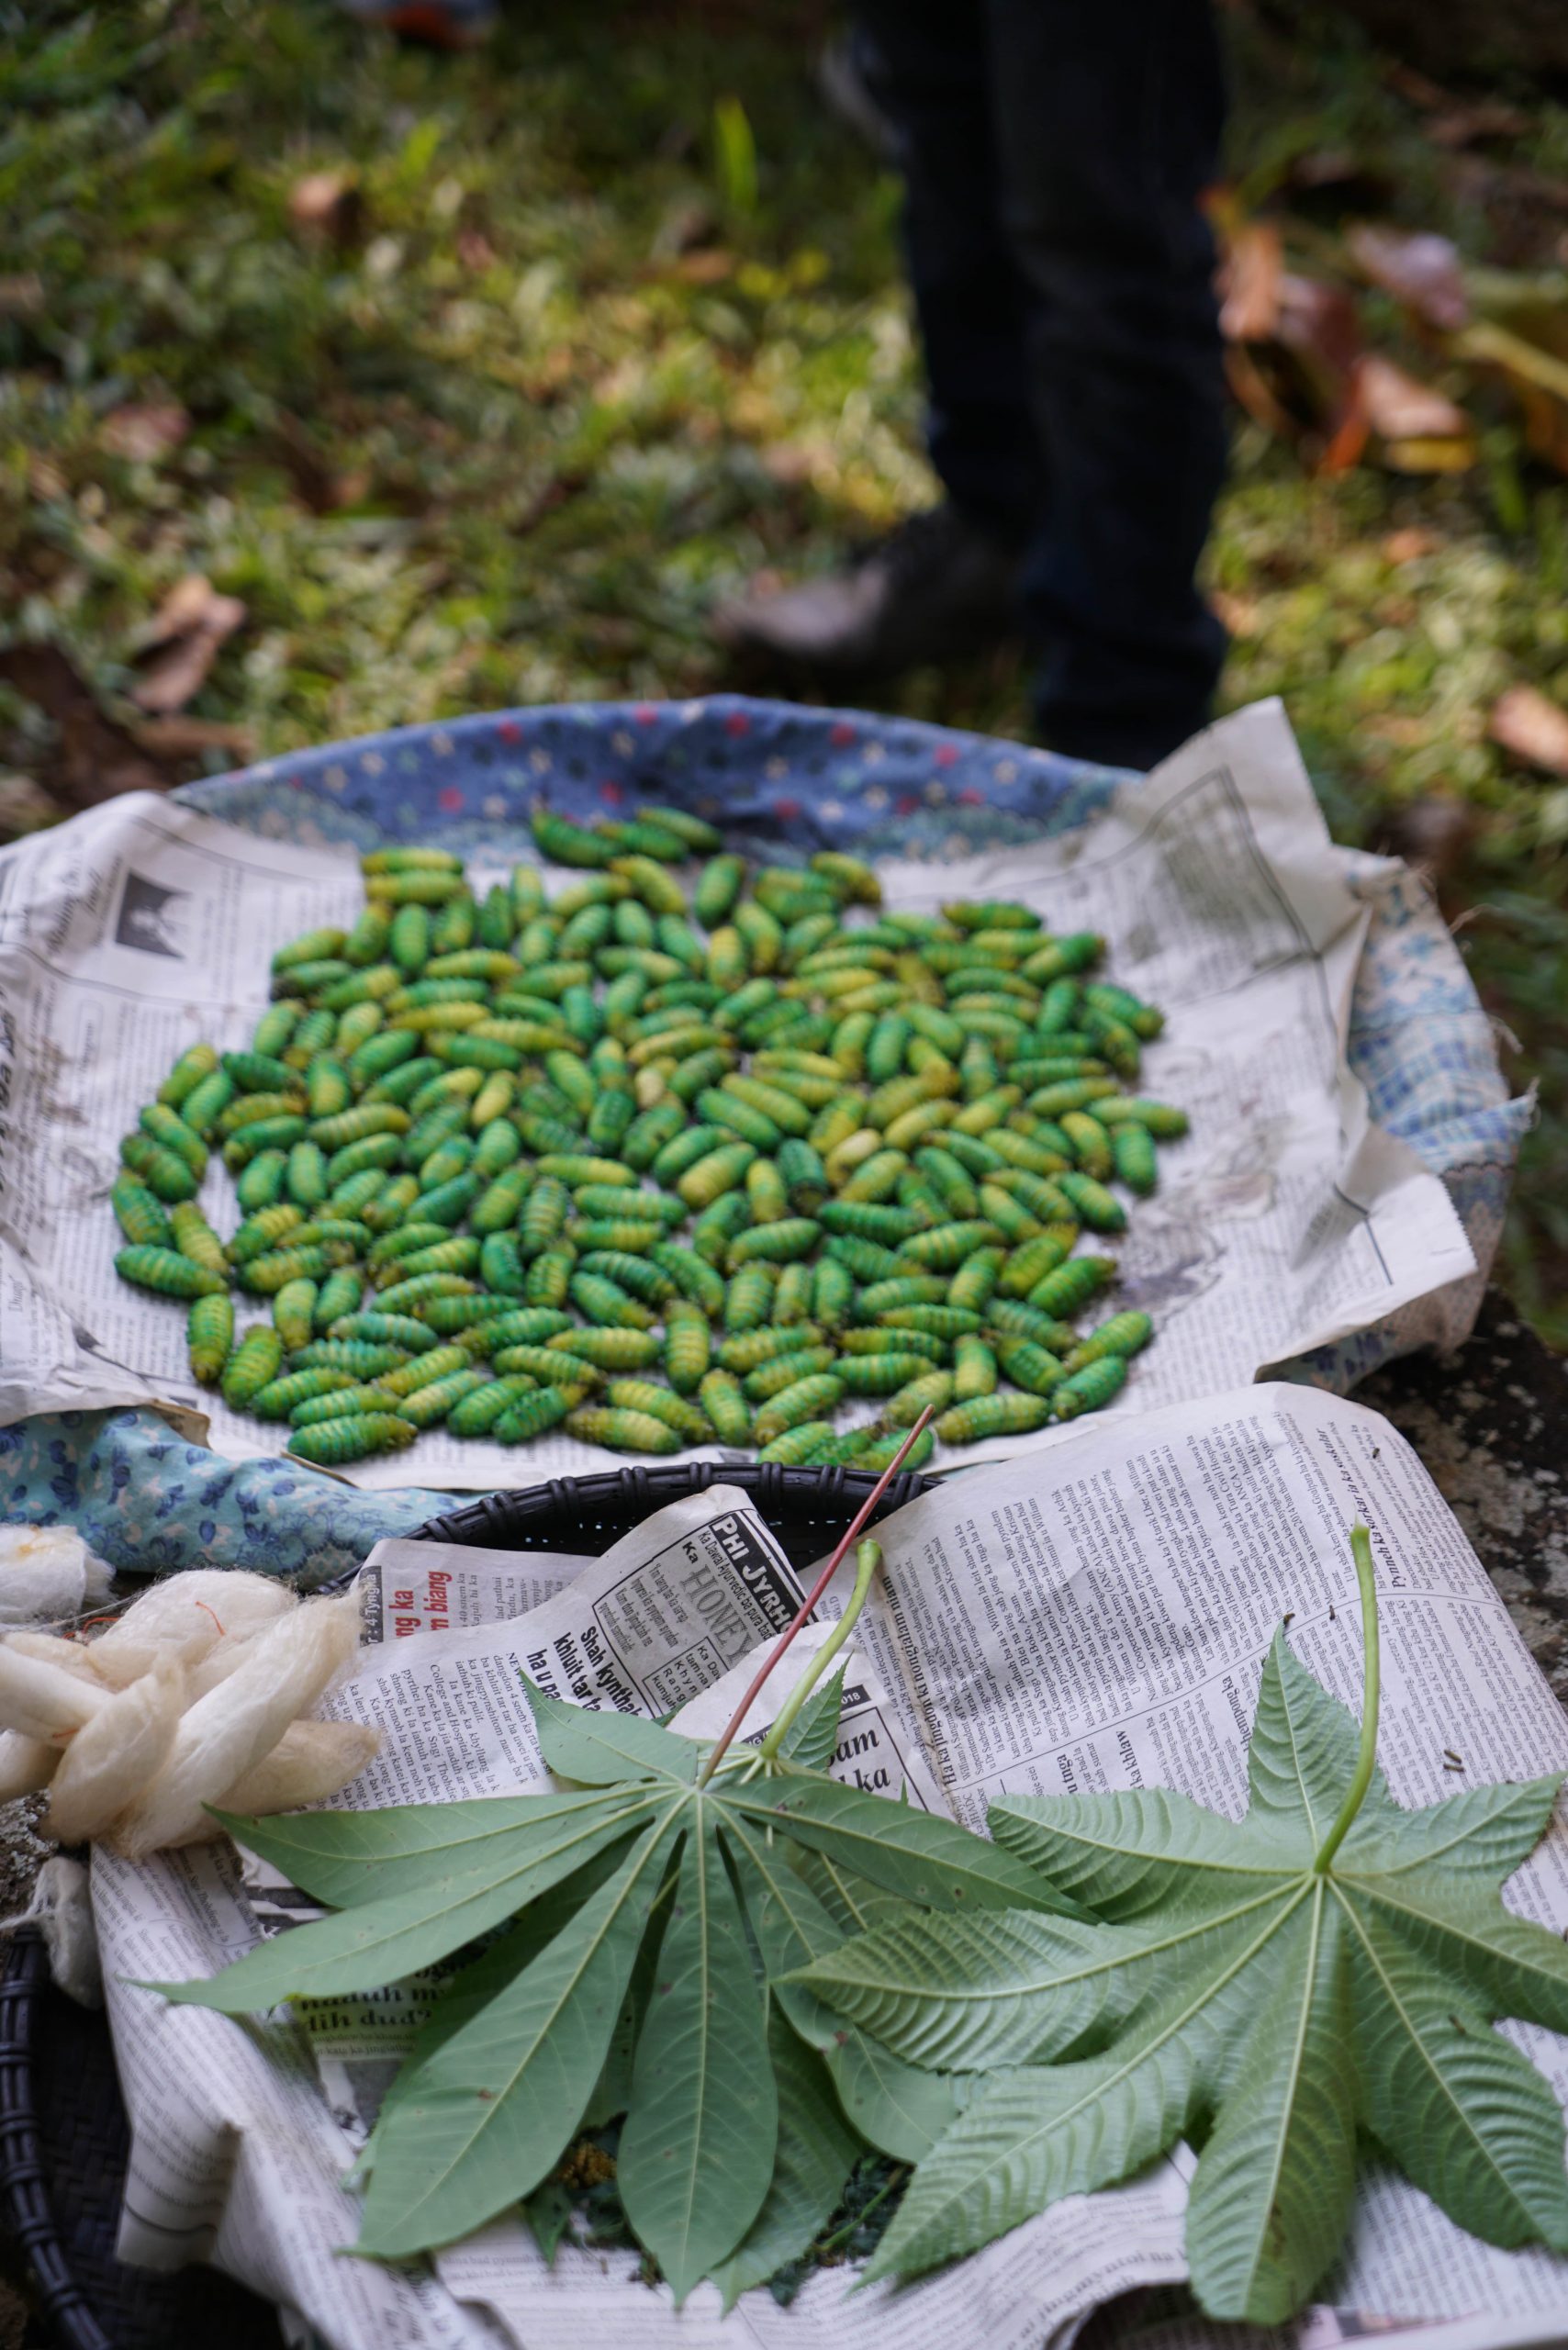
(1285, 1222)
(1094, 1619)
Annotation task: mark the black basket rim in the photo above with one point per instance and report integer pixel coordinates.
(618, 1493)
(25, 2199)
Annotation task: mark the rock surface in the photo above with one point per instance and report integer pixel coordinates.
(1491, 1425)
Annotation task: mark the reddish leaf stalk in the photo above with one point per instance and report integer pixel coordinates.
(808, 1604)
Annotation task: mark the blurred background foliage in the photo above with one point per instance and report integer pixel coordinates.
(346, 385)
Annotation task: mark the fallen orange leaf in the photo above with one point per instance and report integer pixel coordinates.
(1532, 728)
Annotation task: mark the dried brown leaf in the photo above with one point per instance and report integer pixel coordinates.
(1431, 833)
(1249, 282)
(1239, 613)
(180, 672)
(183, 737)
(25, 807)
(1529, 727)
(1421, 270)
(1417, 88)
(188, 606)
(687, 224)
(145, 430)
(1251, 390)
(1319, 323)
(21, 294)
(183, 639)
(1526, 341)
(1460, 126)
(707, 266)
(328, 204)
(1409, 545)
(1400, 409)
(1349, 177)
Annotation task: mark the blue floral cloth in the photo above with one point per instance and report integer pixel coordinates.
(779, 779)
(150, 1504)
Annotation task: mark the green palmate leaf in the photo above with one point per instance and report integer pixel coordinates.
(970, 1994)
(1122, 1856)
(853, 1903)
(632, 1981)
(463, 1996)
(812, 1738)
(1034, 2134)
(1513, 1967)
(342, 1857)
(486, 1882)
(929, 1861)
(612, 2090)
(1484, 1833)
(817, 2149)
(1277, 2175)
(1302, 1754)
(898, 2107)
(483, 2117)
(1284, 1980)
(1459, 2110)
(697, 2150)
(602, 1750)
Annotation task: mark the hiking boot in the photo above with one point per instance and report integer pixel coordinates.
(938, 588)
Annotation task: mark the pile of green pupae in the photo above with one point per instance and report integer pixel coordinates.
(661, 1173)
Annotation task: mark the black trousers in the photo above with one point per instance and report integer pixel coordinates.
(1053, 153)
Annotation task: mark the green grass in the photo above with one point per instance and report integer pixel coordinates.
(591, 355)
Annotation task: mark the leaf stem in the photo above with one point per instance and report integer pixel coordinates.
(803, 1612)
(867, 1559)
(1360, 1550)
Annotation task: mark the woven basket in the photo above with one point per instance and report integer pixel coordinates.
(808, 1509)
(64, 2139)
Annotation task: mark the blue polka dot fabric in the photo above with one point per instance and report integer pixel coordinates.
(782, 780)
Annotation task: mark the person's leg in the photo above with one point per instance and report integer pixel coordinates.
(926, 67)
(944, 584)
(1107, 122)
